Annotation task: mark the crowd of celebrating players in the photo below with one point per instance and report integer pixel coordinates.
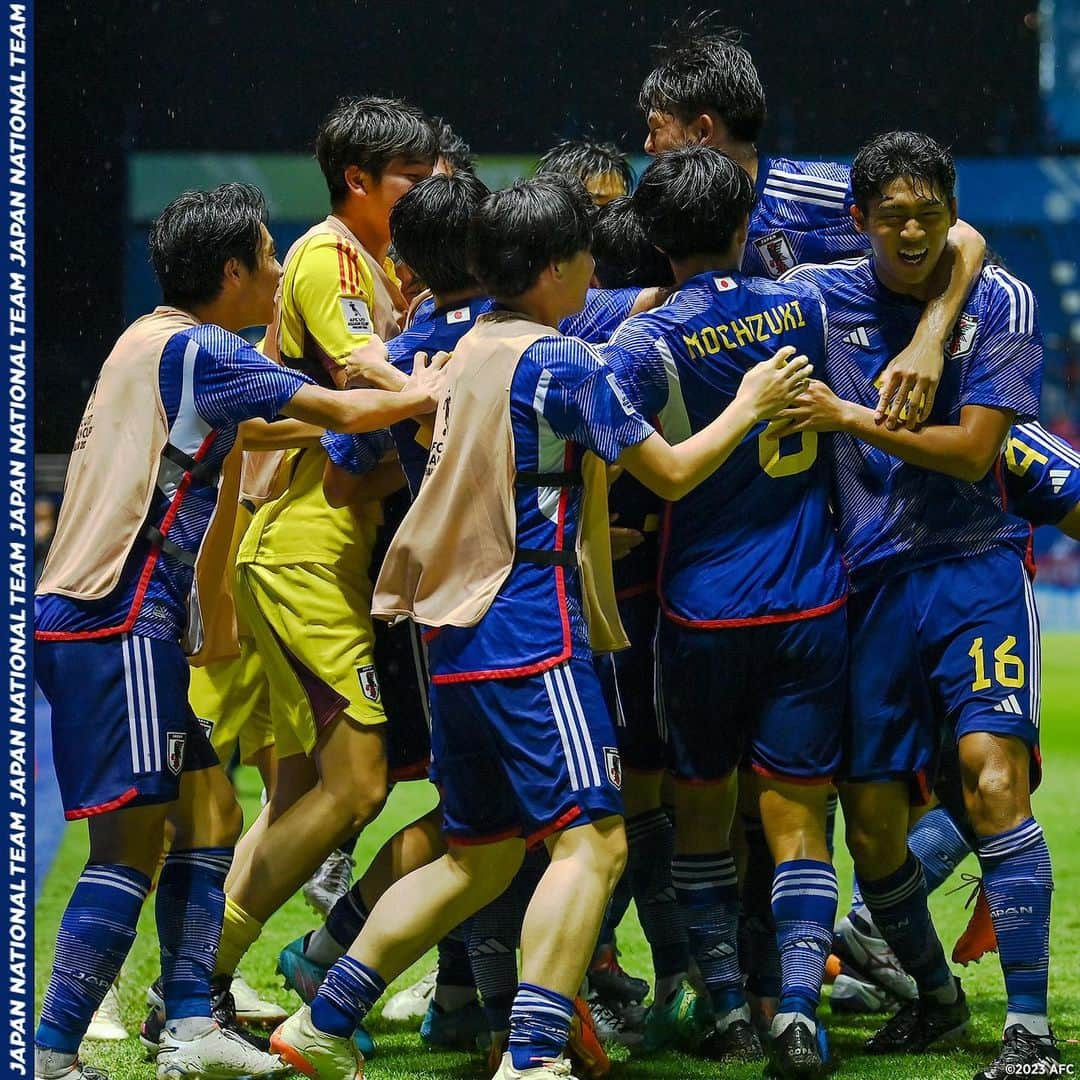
(647, 520)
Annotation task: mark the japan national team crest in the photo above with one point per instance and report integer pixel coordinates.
(369, 682)
(776, 253)
(963, 337)
(174, 751)
(613, 766)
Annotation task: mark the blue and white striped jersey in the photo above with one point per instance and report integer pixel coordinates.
(563, 401)
(755, 541)
(802, 215)
(210, 381)
(894, 516)
(1042, 474)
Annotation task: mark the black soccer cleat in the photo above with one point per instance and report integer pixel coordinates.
(737, 1042)
(920, 1024)
(1023, 1054)
(794, 1052)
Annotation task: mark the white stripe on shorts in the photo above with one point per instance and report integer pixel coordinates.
(556, 710)
(572, 725)
(133, 735)
(586, 735)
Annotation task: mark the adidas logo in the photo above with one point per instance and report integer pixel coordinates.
(1058, 478)
(490, 947)
(859, 337)
(1009, 705)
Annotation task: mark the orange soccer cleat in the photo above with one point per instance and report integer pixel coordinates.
(584, 1047)
(979, 937)
(833, 967)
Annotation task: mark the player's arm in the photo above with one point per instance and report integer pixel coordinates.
(966, 450)
(672, 471)
(368, 365)
(352, 411)
(257, 434)
(914, 373)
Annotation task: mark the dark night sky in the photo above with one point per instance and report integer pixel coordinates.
(113, 77)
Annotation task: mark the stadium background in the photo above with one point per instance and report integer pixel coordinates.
(138, 100)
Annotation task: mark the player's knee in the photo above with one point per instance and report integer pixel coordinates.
(356, 808)
(876, 845)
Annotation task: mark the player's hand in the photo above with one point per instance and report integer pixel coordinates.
(774, 383)
(623, 540)
(368, 366)
(910, 382)
(817, 408)
(429, 377)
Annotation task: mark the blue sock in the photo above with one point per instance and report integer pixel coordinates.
(804, 907)
(758, 948)
(347, 917)
(939, 845)
(346, 997)
(539, 1025)
(95, 935)
(454, 967)
(189, 907)
(1018, 881)
(898, 906)
(493, 937)
(708, 893)
(651, 841)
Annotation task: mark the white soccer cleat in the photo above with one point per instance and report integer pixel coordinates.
(558, 1069)
(851, 994)
(216, 1055)
(106, 1024)
(75, 1071)
(870, 954)
(412, 1002)
(252, 1009)
(330, 882)
(313, 1053)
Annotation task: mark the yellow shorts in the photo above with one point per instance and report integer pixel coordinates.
(233, 697)
(312, 627)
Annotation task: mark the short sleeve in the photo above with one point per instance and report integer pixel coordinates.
(233, 382)
(357, 454)
(634, 356)
(604, 310)
(1042, 475)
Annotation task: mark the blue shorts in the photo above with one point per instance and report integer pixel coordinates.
(524, 757)
(628, 681)
(770, 696)
(403, 677)
(947, 648)
(123, 732)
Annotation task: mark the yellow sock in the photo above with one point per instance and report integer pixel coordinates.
(239, 932)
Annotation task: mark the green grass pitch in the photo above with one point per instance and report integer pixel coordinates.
(402, 1056)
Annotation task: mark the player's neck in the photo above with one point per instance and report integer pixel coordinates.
(692, 265)
(923, 290)
(220, 314)
(453, 299)
(745, 153)
(539, 306)
(373, 239)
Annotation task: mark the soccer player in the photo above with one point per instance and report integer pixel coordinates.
(522, 743)
(112, 609)
(705, 89)
(602, 167)
(752, 645)
(943, 622)
(302, 584)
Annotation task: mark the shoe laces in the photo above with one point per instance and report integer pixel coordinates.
(338, 870)
(907, 1020)
(1018, 1043)
(968, 881)
(604, 1015)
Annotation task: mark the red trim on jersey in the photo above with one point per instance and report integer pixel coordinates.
(102, 808)
(787, 778)
(920, 789)
(631, 591)
(694, 782)
(477, 841)
(757, 620)
(341, 266)
(147, 570)
(537, 838)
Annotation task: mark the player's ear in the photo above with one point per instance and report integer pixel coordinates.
(703, 129)
(858, 218)
(231, 273)
(357, 180)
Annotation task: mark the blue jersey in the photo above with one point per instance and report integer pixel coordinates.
(802, 215)
(210, 380)
(603, 311)
(1042, 474)
(563, 401)
(755, 541)
(432, 330)
(894, 516)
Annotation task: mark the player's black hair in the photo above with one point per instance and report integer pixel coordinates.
(520, 230)
(370, 132)
(430, 229)
(691, 201)
(197, 233)
(624, 255)
(908, 155)
(582, 158)
(698, 69)
(453, 148)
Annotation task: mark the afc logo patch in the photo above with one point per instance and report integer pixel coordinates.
(369, 682)
(963, 337)
(357, 317)
(776, 253)
(174, 751)
(613, 766)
